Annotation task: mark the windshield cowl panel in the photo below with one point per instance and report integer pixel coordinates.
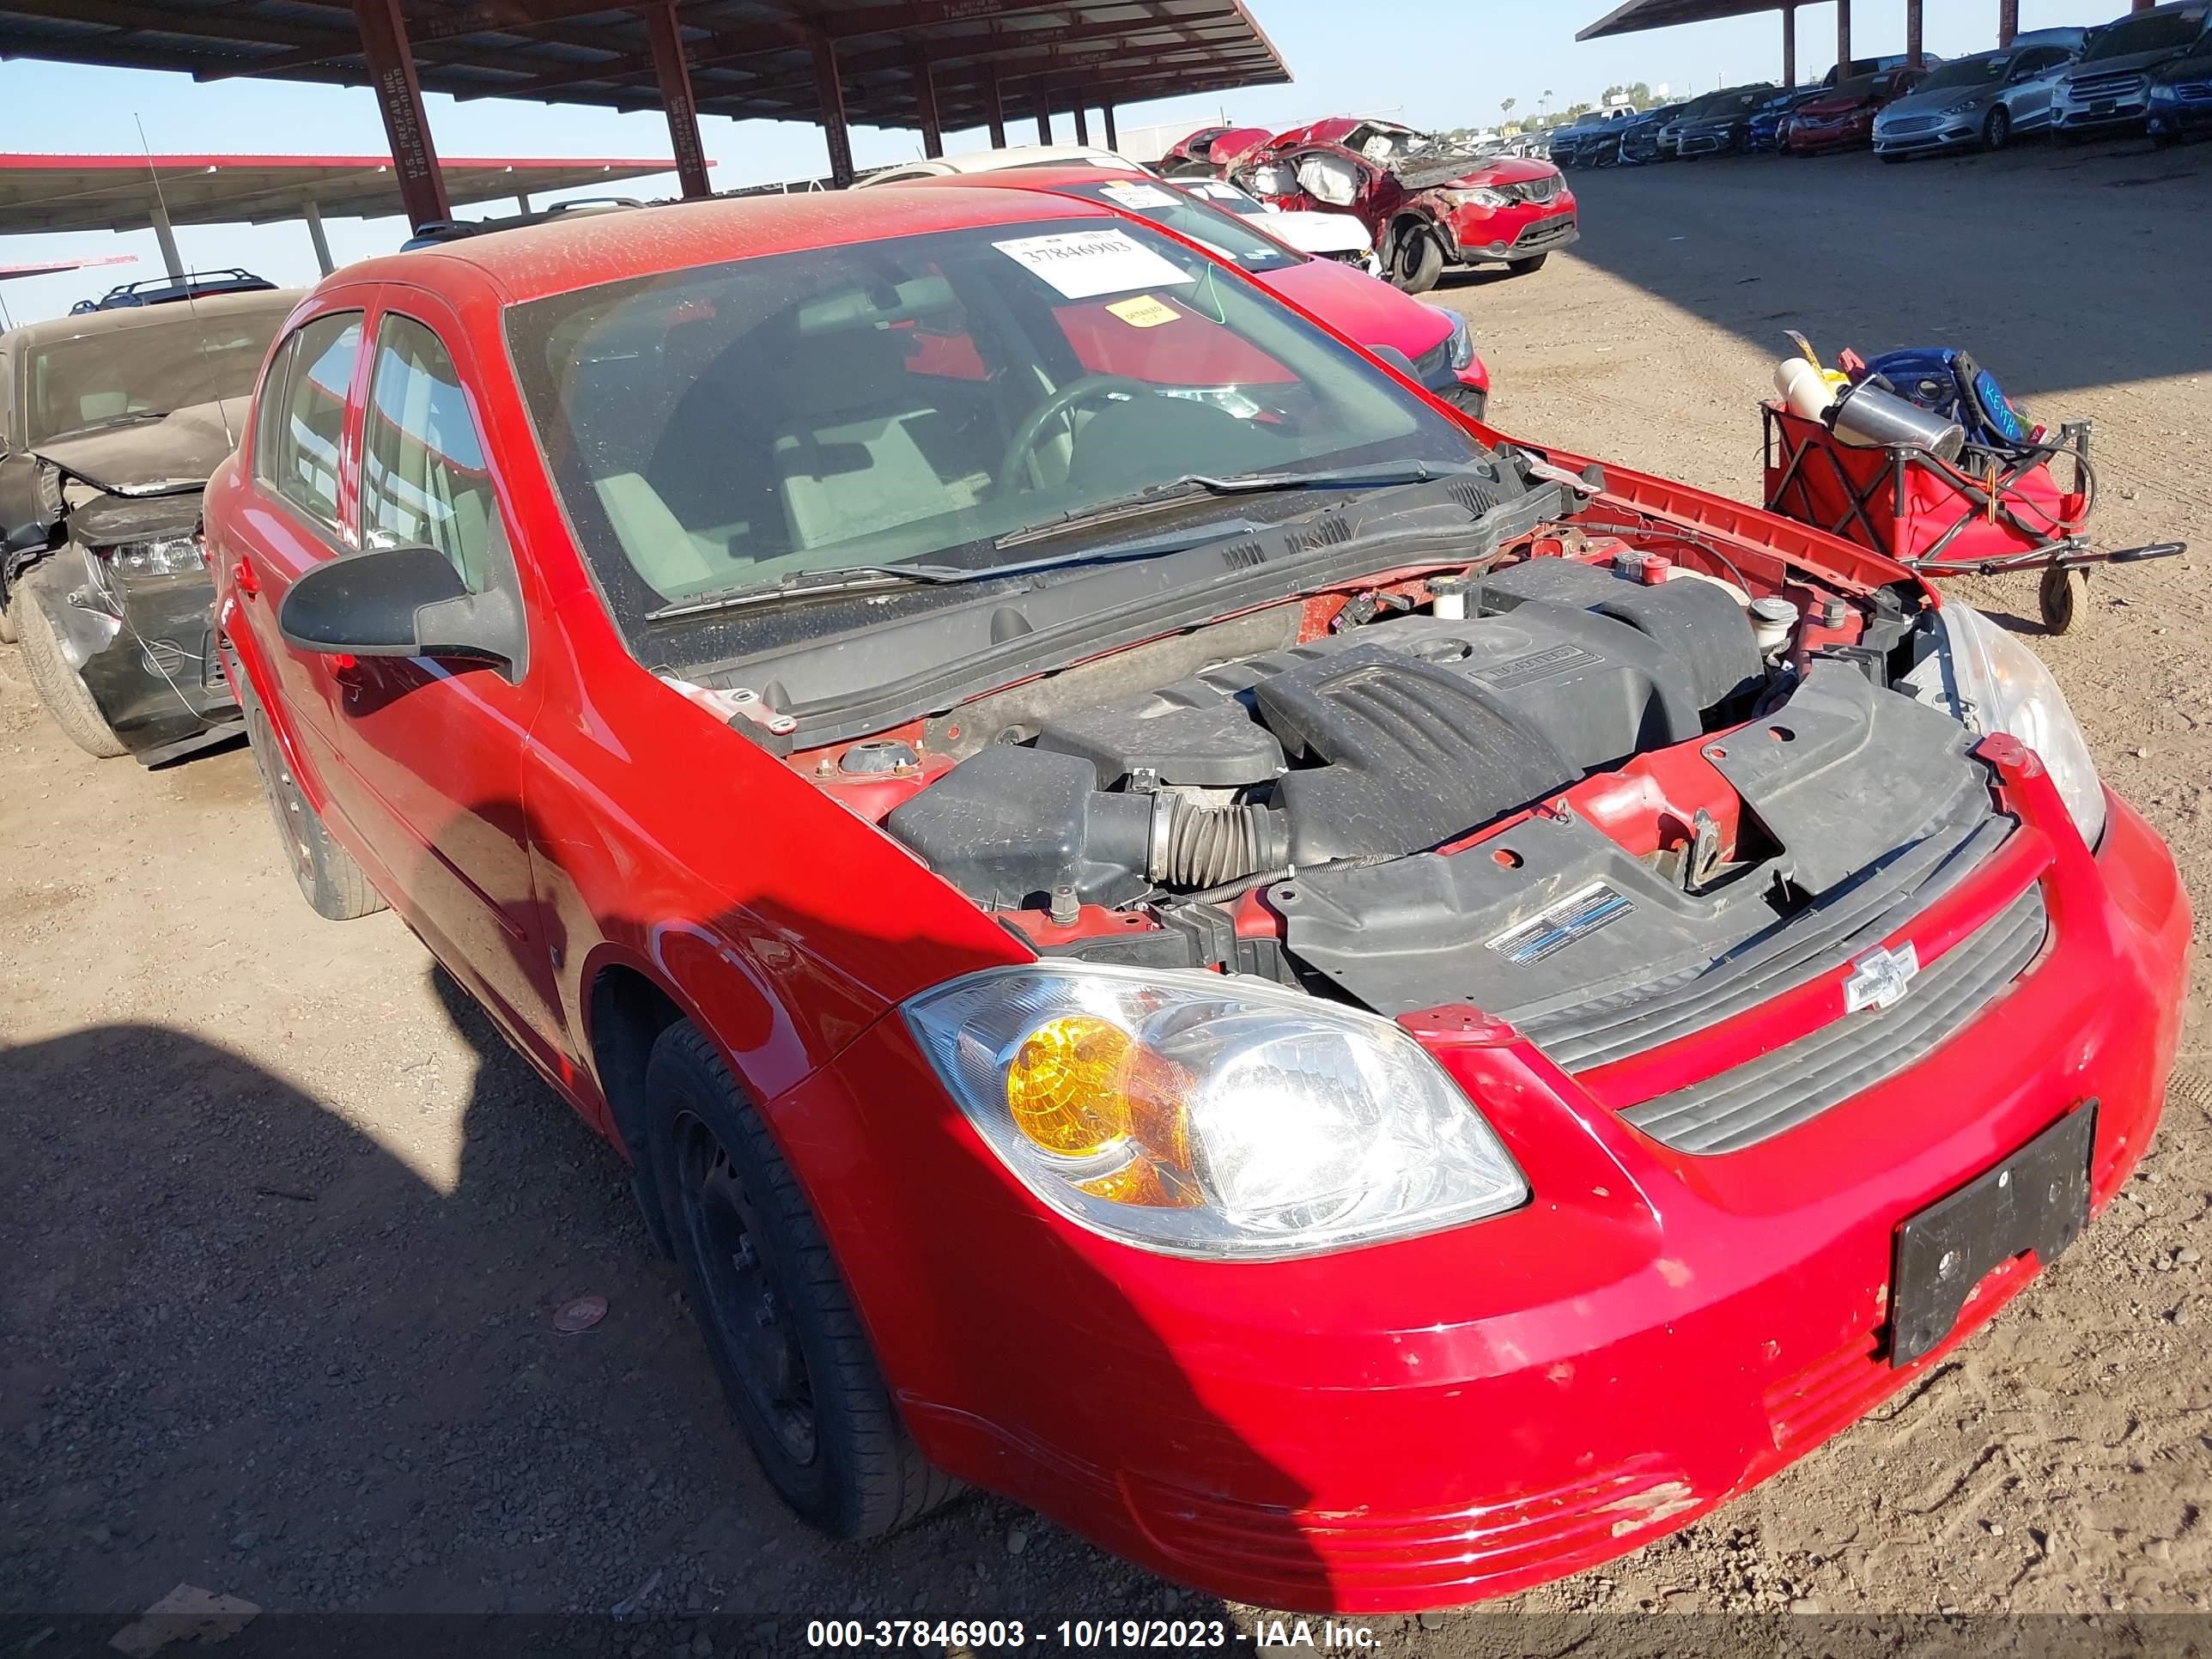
(926, 402)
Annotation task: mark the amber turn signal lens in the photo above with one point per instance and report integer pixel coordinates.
(1066, 1087)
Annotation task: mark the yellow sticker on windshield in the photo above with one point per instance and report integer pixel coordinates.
(1144, 311)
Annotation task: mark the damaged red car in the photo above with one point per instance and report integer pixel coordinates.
(1364, 1012)
(1427, 204)
(1842, 118)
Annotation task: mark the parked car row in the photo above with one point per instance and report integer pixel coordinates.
(1060, 813)
(2150, 70)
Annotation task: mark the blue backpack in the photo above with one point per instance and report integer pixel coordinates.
(1953, 385)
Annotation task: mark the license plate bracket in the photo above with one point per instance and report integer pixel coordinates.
(2036, 1199)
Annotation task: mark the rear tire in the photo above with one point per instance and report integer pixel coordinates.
(1997, 130)
(778, 1321)
(1522, 267)
(1417, 260)
(334, 885)
(8, 620)
(59, 686)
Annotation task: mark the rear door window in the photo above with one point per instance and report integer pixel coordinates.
(296, 446)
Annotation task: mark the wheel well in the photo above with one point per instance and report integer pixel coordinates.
(629, 1012)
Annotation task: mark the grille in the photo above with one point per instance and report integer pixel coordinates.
(1597, 1032)
(1911, 124)
(1800, 1080)
(2194, 92)
(1544, 231)
(2124, 83)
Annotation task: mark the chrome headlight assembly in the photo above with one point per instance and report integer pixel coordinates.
(1480, 196)
(2000, 685)
(164, 556)
(1199, 1115)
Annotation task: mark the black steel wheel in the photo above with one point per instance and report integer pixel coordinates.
(779, 1324)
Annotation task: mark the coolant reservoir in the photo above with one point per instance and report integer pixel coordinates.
(1773, 620)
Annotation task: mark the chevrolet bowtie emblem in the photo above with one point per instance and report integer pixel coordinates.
(1878, 979)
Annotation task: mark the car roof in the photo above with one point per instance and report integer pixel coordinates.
(84, 324)
(1037, 178)
(583, 251)
(1012, 156)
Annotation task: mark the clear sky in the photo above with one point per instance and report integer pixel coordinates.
(1431, 64)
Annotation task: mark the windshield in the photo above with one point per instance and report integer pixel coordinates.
(147, 368)
(1200, 220)
(1967, 72)
(2155, 32)
(923, 399)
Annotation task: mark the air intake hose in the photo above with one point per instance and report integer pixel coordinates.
(1196, 846)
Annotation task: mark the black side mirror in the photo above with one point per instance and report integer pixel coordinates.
(30, 506)
(402, 602)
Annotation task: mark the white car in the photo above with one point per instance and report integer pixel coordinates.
(996, 161)
(1330, 235)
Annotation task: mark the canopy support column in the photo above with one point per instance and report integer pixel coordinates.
(829, 94)
(167, 236)
(1843, 40)
(1082, 126)
(310, 211)
(399, 98)
(1043, 119)
(1913, 59)
(1106, 119)
(2008, 21)
(1789, 46)
(994, 107)
(924, 100)
(674, 74)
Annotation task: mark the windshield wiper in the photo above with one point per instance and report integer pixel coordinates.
(872, 578)
(133, 417)
(1191, 484)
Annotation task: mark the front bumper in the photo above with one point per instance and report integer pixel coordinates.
(1706, 140)
(1507, 234)
(1948, 132)
(1815, 140)
(1457, 1416)
(146, 652)
(2182, 117)
(2104, 115)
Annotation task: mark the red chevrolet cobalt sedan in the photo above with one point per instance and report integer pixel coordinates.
(1362, 1012)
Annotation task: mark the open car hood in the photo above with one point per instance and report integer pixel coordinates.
(151, 457)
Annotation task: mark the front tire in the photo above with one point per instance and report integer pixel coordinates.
(59, 686)
(778, 1321)
(1996, 132)
(1522, 267)
(1417, 260)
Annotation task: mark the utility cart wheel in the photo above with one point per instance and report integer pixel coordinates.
(2059, 596)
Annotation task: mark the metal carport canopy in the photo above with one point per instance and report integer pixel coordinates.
(125, 192)
(746, 58)
(1635, 15)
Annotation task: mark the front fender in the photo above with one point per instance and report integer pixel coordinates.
(81, 631)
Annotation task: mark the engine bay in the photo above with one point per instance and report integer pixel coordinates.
(1431, 787)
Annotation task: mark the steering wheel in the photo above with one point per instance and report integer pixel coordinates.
(1031, 431)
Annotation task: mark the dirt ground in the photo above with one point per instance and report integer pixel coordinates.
(282, 1224)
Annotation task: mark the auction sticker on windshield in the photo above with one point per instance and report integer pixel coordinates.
(1137, 196)
(1081, 264)
(1144, 311)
